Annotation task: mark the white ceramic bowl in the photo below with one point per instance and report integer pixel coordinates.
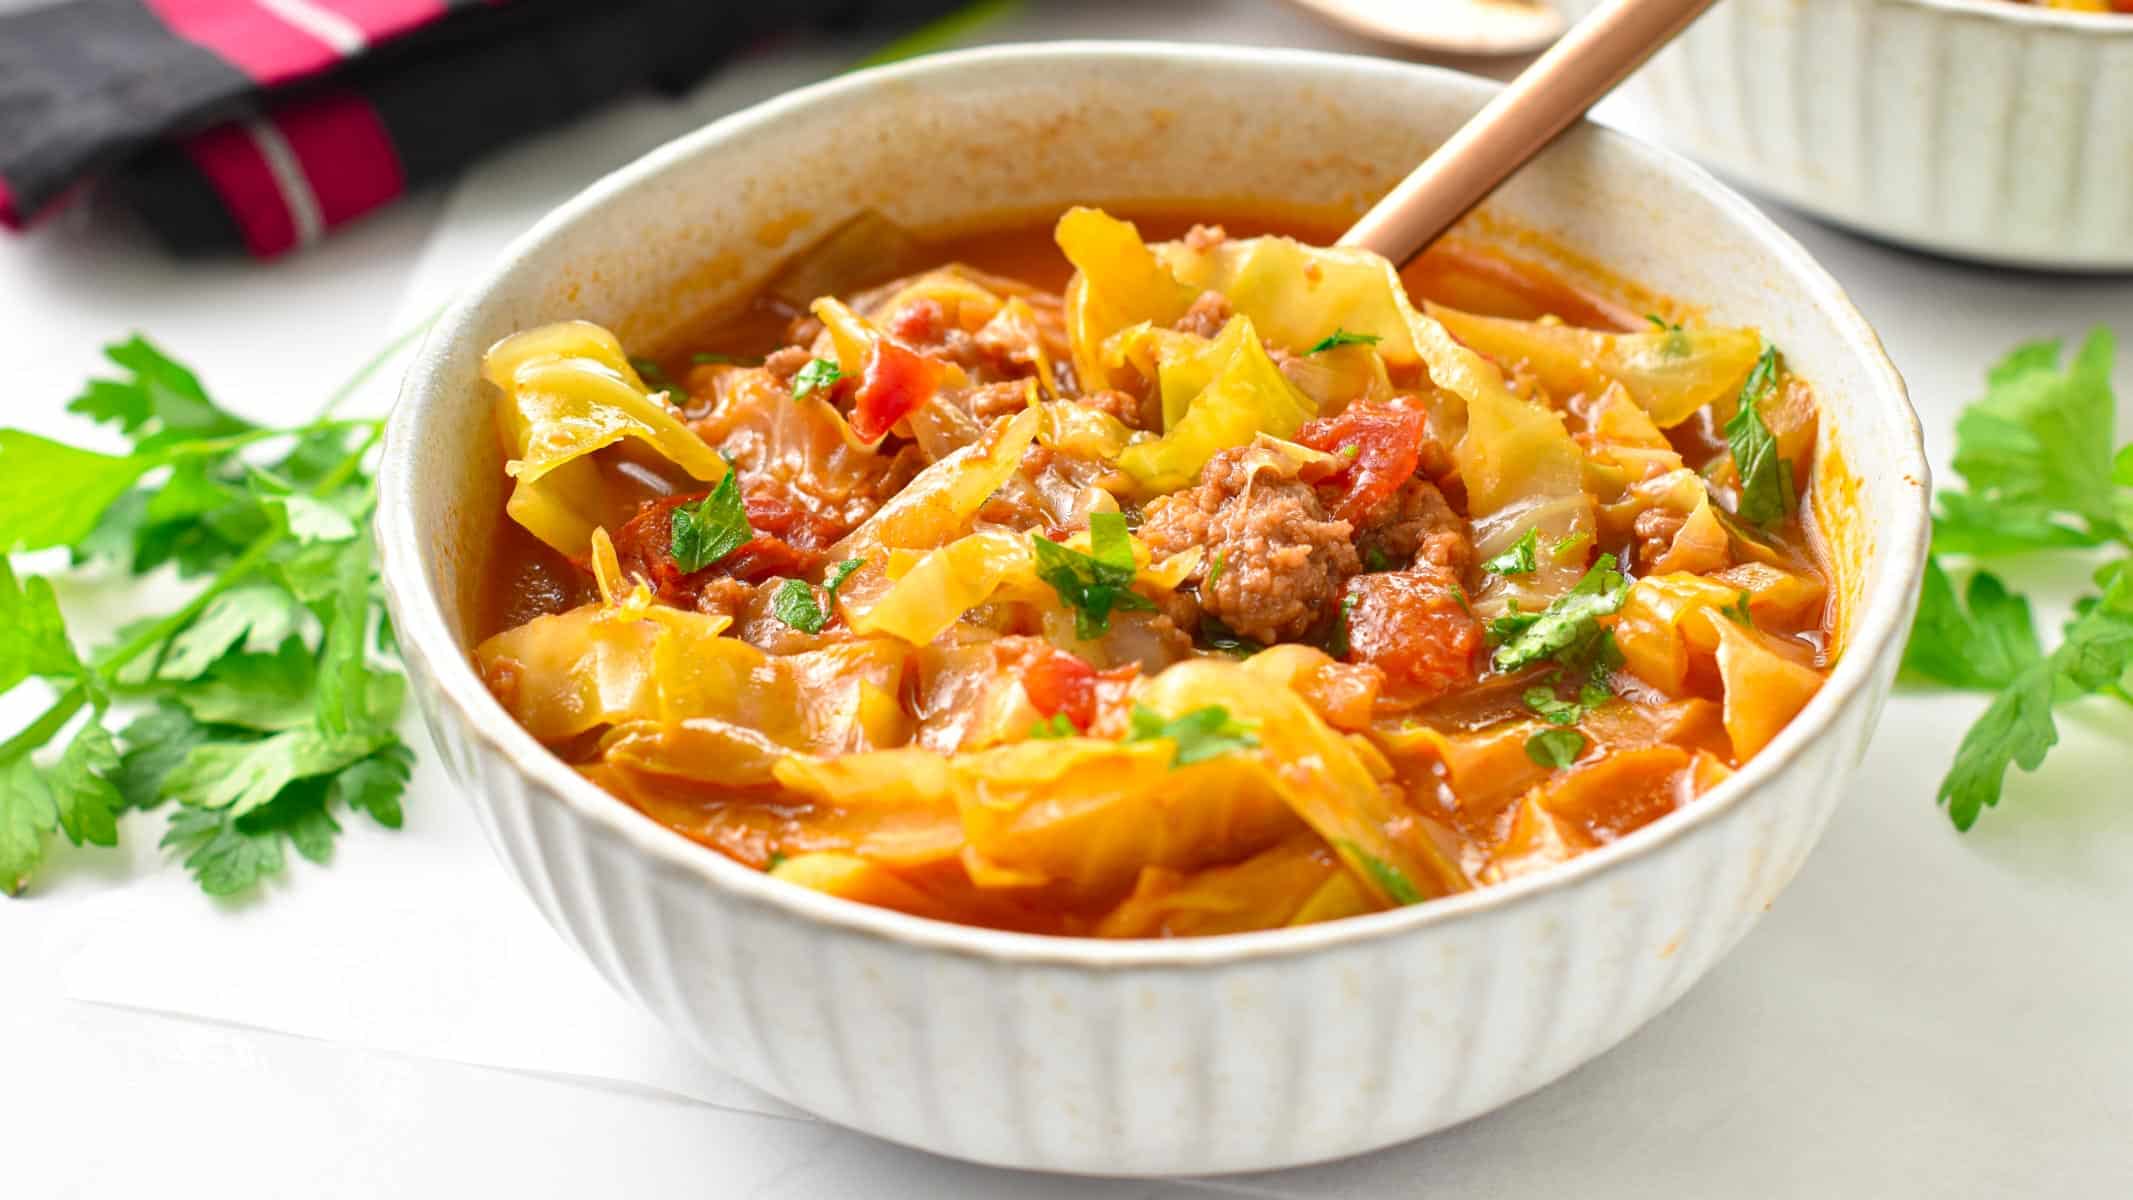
(1224, 1054)
(1981, 129)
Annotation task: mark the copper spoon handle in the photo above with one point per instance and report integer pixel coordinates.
(1597, 53)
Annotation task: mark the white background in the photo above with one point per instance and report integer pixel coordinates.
(1923, 1013)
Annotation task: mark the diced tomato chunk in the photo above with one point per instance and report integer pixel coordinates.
(788, 542)
(1383, 445)
(895, 383)
(1062, 684)
(1412, 626)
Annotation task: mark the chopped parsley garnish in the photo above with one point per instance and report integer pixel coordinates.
(1054, 726)
(2039, 474)
(1214, 571)
(1739, 613)
(710, 529)
(1341, 337)
(1200, 734)
(1568, 630)
(1555, 747)
(1374, 559)
(841, 573)
(1093, 584)
(1765, 475)
(1523, 558)
(1384, 874)
(1337, 642)
(654, 375)
(730, 360)
(776, 860)
(794, 604)
(819, 375)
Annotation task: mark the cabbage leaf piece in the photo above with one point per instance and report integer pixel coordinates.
(1117, 283)
(1670, 372)
(568, 391)
(1229, 391)
(1321, 773)
(1521, 468)
(1297, 882)
(1088, 814)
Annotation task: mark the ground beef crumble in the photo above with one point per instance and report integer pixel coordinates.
(1282, 558)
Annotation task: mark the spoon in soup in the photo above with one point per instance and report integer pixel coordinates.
(1598, 53)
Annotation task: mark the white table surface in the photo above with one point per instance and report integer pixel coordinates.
(1922, 1014)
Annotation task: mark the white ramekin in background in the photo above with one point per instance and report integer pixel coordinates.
(1981, 129)
(1191, 1056)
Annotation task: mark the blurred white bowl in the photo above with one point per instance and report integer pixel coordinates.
(1981, 129)
(1192, 1056)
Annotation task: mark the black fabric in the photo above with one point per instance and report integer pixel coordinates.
(85, 83)
(91, 86)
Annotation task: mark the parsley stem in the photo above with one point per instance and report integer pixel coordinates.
(211, 447)
(47, 725)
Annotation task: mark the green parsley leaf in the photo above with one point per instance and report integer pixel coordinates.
(1374, 559)
(258, 691)
(243, 775)
(1555, 747)
(52, 494)
(1214, 570)
(1054, 726)
(1569, 627)
(794, 604)
(1341, 337)
(839, 574)
(776, 860)
(1337, 642)
(156, 742)
(1765, 476)
(710, 529)
(2018, 728)
(1093, 584)
(819, 375)
(1553, 708)
(1200, 734)
(373, 784)
(87, 802)
(159, 402)
(258, 616)
(223, 856)
(1521, 559)
(33, 635)
(731, 360)
(1388, 877)
(654, 375)
(352, 698)
(1739, 613)
(28, 814)
(2035, 452)
(1986, 646)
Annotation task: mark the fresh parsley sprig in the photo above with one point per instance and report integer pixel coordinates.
(1342, 337)
(270, 704)
(1568, 630)
(1093, 584)
(2038, 475)
(1200, 734)
(1765, 474)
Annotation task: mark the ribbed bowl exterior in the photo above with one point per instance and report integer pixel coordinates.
(1192, 1056)
(1981, 129)
(1261, 1062)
